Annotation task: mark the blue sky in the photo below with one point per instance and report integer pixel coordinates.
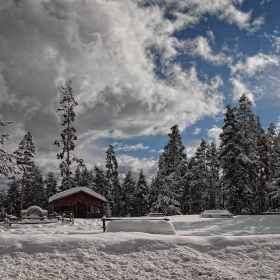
(137, 68)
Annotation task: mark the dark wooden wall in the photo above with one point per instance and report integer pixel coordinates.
(70, 203)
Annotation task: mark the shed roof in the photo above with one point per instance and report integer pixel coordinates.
(76, 190)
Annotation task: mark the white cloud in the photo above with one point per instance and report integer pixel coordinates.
(215, 132)
(104, 48)
(133, 164)
(127, 148)
(199, 46)
(197, 130)
(239, 88)
(211, 35)
(254, 64)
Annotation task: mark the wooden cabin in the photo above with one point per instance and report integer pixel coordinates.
(82, 201)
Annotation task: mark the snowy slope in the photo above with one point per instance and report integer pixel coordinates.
(243, 247)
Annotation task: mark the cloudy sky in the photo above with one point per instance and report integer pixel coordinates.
(137, 68)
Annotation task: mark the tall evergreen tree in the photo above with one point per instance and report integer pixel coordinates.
(228, 154)
(50, 184)
(34, 189)
(7, 161)
(214, 188)
(68, 136)
(100, 181)
(128, 206)
(172, 167)
(13, 197)
(274, 185)
(24, 156)
(248, 158)
(141, 194)
(261, 195)
(3, 201)
(112, 192)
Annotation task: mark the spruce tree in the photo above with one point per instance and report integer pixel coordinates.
(248, 161)
(128, 203)
(100, 181)
(7, 161)
(50, 185)
(68, 136)
(13, 197)
(113, 189)
(3, 201)
(228, 154)
(141, 194)
(214, 187)
(34, 190)
(261, 196)
(274, 185)
(24, 156)
(172, 167)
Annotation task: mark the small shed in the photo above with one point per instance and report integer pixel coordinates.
(82, 201)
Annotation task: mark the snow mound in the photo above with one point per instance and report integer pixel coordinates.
(147, 226)
(216, 214)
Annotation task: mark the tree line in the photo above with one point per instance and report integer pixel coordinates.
(242, 175)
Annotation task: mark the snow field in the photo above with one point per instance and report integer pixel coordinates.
(200, 250)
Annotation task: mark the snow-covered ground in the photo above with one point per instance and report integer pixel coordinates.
(243, 247)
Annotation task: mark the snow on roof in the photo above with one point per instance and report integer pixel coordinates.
(76, 190)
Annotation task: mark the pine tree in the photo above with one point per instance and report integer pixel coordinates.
(214, 188)
(248, 158)
(7, 161)
(50, 184)
(228, 154)
(263, 161)
(128, 206)
(13, 197)
(100, 181)
(3, 201)
(112, 192)
(68, 136)
(141, 194)
(34, 190)
(274, 185)
(172, 167)
(24, 156)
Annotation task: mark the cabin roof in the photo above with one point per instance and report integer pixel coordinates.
(76, 190)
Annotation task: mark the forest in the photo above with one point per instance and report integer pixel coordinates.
(242, 175)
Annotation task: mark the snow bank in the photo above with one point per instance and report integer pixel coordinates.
(148, 226)
(243, 247)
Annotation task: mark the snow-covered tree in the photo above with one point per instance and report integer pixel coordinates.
(100, 181)
(141, 194)
(7, 161)
(214, 188)
(24, 157)
(172, 167)
(13, 197)
(248, 161)
(34, 189)
(228, 154)
(68, 136)
(3, 201)
(128, 206)
(50, 184)
(113, 188)
(261, 195)
(239, 157)
(83, 177)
